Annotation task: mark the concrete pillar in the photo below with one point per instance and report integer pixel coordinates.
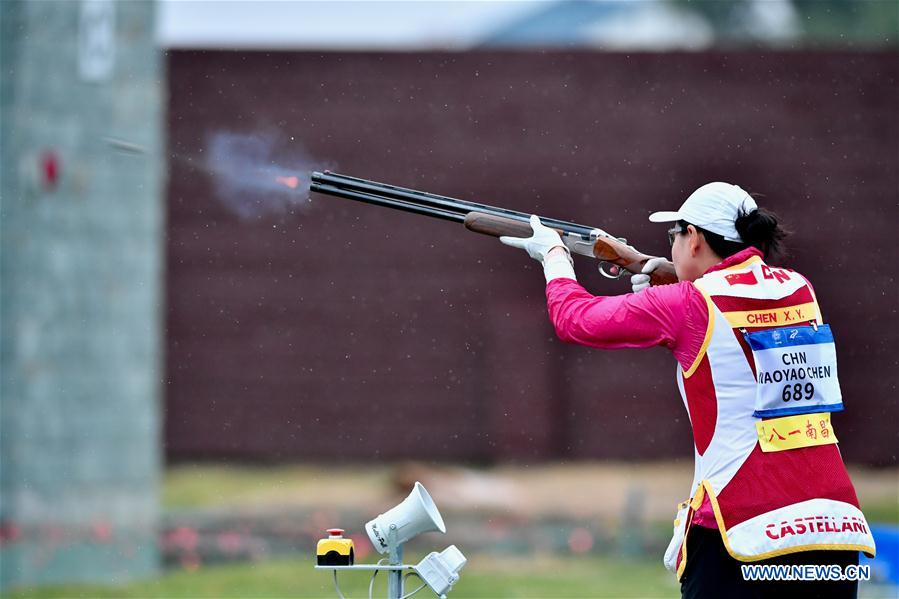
(81, 229)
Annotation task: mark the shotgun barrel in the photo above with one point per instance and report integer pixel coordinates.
(422, 202)
(387, 202)
(491, 220)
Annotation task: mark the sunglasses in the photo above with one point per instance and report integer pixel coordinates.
(672, 233)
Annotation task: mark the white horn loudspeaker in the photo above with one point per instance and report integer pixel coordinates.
(415, 515)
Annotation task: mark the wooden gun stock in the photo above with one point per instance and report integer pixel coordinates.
(498, 226)
(605, 249)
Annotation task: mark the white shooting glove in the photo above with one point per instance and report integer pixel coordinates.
(639, 282)
(544, 239)
(538, 244)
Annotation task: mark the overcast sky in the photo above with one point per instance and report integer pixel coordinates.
(441, 24)
(335, 24)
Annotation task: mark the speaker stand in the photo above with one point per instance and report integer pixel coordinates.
(395, 558)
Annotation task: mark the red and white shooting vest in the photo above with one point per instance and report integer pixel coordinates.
(776, 485)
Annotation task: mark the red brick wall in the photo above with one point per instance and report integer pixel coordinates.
(343, 331)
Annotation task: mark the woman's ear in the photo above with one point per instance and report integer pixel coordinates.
(694, 240)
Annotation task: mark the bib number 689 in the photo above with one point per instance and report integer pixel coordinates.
(798, 391)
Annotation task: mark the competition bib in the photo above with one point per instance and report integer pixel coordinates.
(796, 371)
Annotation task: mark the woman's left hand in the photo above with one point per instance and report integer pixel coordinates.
(537, 245)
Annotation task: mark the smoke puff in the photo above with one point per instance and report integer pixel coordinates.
(247, 168)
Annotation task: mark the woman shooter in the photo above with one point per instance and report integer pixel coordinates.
(757, 373)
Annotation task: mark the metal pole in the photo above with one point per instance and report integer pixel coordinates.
(394, 577)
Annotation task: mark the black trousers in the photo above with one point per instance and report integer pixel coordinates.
(712, 573)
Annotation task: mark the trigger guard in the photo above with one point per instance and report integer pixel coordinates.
(607, 274)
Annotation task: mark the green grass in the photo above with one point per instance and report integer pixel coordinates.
(484, 576)
(300, 485)
(228, 485)
(881, 511)
(487, 575)
(192, 486)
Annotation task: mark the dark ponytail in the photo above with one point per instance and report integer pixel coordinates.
(758, 228)
(761, 229)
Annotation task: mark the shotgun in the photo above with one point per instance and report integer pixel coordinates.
(614, 254)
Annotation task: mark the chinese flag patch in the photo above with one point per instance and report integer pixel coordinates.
(741, 278)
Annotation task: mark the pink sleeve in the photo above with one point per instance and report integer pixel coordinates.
(674, 316)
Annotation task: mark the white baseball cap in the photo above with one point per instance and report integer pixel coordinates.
(713, 207)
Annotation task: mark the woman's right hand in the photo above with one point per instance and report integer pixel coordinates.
(640, 281)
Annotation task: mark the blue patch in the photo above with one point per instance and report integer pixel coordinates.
(789, 337)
